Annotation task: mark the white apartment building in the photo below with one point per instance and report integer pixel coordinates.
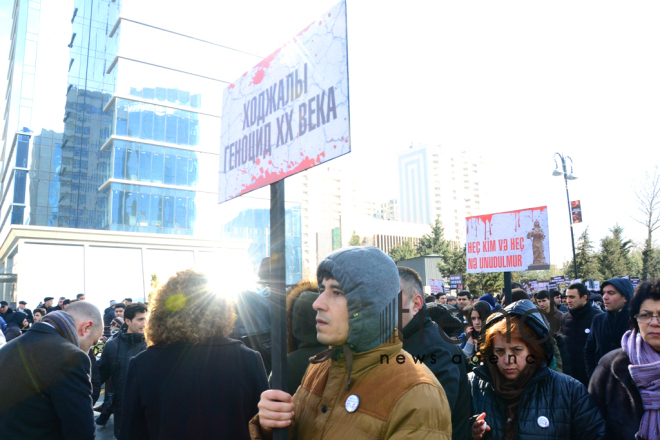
(436, 181)
(326, 195)
(389, 211)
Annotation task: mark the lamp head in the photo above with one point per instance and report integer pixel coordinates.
(557, 172)
(571, 176)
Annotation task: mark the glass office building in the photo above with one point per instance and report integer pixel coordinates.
(114, 124)
(255, 225)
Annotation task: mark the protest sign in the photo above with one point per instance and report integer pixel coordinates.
(456, 281)
(288, 113)
(510, 241)
(559, 281)
(437, 286)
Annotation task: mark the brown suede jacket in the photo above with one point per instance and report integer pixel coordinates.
(398, 399)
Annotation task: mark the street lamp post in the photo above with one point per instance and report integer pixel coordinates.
(567, 177)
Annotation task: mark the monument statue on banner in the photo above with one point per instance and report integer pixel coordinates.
(537, 236)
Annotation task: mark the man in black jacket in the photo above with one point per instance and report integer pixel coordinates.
(423, 340)
(607, 329)
(22, 308)
(44, 380)
(48, 304)
(118, 351)
(576, 326)
(5, 310)
(558, 304)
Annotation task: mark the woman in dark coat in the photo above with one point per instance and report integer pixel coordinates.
(192, 382)
(15, 322)
(626, 383)
(515, 396)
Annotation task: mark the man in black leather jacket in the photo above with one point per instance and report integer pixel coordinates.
(118, 351)
(576, 326)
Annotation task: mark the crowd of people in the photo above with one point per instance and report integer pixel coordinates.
(370, 355)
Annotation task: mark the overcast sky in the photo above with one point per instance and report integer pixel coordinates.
(515, 81)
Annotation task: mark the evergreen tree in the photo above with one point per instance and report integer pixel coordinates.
(540, 275)
(482, 283)
(614, 259)
(403, 251)
(355, 240)
(586, 259)
(434, 243)
(455, 262)
(649, 260)
(636, 265)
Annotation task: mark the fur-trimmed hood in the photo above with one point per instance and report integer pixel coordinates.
(301, 316)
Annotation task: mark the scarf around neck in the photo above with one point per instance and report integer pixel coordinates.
(510, 391)
(64, 324)
(645, 372)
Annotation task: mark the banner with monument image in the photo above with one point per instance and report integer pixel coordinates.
(510, 241)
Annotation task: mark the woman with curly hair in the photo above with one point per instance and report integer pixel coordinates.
(192, 382)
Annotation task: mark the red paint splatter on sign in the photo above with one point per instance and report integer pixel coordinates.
(268, 178)
(304, 30)
(231, 86)
(258, 77)
(487, 219)
(488, 223)
(262, 66)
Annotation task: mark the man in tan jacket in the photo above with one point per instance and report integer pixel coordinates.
(364, 386)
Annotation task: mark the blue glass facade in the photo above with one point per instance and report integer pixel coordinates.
(255, 225)
(122, 145)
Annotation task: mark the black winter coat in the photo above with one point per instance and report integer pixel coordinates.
(13, 332)
(45, 391)
(108, 316)
(184, 391)
(607, 329)
(617, 396)
(114, 361)
(28, 312)
(447, 361)
(95, 376)
(576, 326)
(564, 401)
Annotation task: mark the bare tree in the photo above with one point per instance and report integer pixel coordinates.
(648, 200)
